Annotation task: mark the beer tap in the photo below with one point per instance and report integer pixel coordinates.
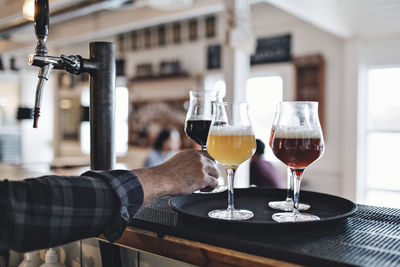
(47, 63)
(101, 68)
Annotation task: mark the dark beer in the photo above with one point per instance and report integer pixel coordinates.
(297, 153)
(197, 130)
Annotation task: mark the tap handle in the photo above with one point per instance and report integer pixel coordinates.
(41, 25)
(72, 64)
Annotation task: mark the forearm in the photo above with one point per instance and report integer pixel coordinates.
(153, 182)
(53, 210)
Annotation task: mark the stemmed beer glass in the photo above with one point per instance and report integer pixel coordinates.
(287, 204)
(198, 121)
(231, 141)
(297, 142)
(199, 115)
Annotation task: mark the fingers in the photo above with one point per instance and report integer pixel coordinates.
(207, 189)
(211, 183)
(191, 170)
(212, 171)
(210, 167)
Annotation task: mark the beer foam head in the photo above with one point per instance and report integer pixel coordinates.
(294, 133)
(231, 130)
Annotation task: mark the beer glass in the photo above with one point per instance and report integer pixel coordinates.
(231, 141)
(297, 142)
(198, 121)
(199, 115)
(287, 204)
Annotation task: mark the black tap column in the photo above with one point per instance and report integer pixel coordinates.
(102, 105)
(101, 67)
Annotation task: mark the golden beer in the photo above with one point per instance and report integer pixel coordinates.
(231, 141)
(231, 150)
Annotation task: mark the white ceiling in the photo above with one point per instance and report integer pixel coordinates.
(371, 17)
(347, 18)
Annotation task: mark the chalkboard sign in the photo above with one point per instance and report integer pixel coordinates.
(120, 67)
(272, 49)
(214, 57)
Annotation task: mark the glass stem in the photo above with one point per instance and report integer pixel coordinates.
(296, 174)
(231, 175)
(289, 186)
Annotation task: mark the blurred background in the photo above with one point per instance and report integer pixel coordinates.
(342, 53)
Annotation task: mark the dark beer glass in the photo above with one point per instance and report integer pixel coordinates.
(199, 115)
(297, 142)
(287, 204)
(198, 121)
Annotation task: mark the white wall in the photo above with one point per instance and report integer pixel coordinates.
(361, 54)
(9, 98)
(381, 50)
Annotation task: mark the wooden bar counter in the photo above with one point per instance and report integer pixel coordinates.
(370, 237)
(191, 251)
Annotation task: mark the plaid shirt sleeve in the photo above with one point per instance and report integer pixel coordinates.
(52, 210)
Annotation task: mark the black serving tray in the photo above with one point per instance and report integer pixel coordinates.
(329, 208)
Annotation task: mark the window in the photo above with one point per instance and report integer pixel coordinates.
(382, 137)
(263, 94)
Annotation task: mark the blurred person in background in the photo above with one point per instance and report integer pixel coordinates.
(262, 172)
(166, 145)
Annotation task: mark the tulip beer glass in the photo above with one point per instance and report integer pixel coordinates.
(198, 121)
(297, 142)
(287, 204)
(231, 141)
(199, 115)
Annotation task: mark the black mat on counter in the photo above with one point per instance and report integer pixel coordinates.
(370, 237)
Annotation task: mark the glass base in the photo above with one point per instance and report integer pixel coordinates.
(291, 217)
(286, 205)
(218, 189)
(231, 215)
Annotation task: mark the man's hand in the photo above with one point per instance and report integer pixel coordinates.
(185, 173)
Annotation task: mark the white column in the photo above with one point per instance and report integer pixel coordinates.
(354, 100)
(239, 44)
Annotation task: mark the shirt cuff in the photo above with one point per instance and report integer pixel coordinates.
(130, 193)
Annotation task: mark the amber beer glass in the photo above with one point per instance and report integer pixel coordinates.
(287, 204)
(231, 141)
(297, 142)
